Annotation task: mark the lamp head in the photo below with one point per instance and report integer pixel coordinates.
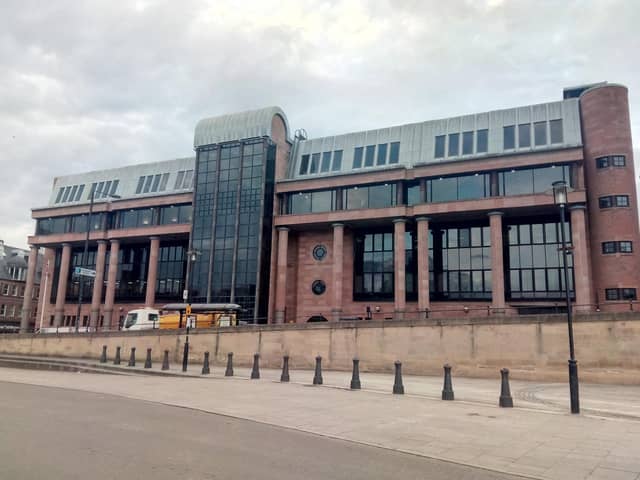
(560, 193)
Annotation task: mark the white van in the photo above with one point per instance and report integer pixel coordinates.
(142, 319)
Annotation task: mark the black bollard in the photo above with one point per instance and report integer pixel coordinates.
(355, 376)
(447, 390)
(103, 356)
(317, 377)
(255, 371)
(505, 392)
(116, 361)
(147, 362)
(185, 353)
(165, 360)
(285, 369)
(205, 364)
(229, 371)
(132, 358)
(398, 387)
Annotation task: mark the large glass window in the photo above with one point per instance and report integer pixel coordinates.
(535, 260)
(454, 144)
(357, 157)
(175, 214)
(509, 137)
(374, 196)
(439, 149)
(311, 202)
(532, 180)
(524, 135)
(373, 266)
(369, 155)
(482, 141)
(326, 162)
(382, 154)
(467, 143)
(394, 153)
(465, 187)
(172, 267)
(412, 193)
(540, 133)
(337, 161)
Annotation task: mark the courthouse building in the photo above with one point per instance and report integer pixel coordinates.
(449, 217)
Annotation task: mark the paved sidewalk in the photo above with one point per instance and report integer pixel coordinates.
(544, 442)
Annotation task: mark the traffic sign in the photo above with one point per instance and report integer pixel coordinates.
(84, 272)
(185, 294)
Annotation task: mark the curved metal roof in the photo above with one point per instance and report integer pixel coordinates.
(236, 126)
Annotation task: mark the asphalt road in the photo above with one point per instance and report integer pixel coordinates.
(63, 434)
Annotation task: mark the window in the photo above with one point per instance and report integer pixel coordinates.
(532, 180)
(337, 161)
(319, 252)
(621, 294)
(326, 162)
(315, 163)
(602, 162)
(614, 201)
(382, 154)
(74, 190)
(483, 141)
(609, 247)
(629, 294)
(524, 135)
(311, 202)
(622, 200)
(138, 188)
(439, 152)
(555, 131)
(147, 184)
(373, 266)
(464, 187)
(509, 137)
(369, 154)
(188, 179)
(304, 164)
(65, 197)
(625, 246)
(162, 188)
(156, 183)
(614, 247)
(467, 143)
(318, 287)
(605, 202)
(373, 196)
(612, 294)
(80, 191)
(540, 133)
(618, 160)
(412, 194)
(357, 157)
(454, 144)
(394, 153)
(59, 197)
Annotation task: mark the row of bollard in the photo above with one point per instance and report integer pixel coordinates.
(505, 400)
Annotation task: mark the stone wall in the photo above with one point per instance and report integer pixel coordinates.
(535, 347)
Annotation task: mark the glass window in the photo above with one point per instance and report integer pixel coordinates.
(80, 191)
(509, 137)
(382, 154)
(315, 163)
(369, 155)
(629, 294)
(439, 150)
(625, 246)
(605, 202)
(337, 161)
(602, 162)
(357, 198)
(467, 143)
(357, 157)
(156, 183)
(612, 294)
(326, 162)
(516, 182)
(543, 178)
(473, 186)
(622, 200)
(72, 196)
(454, 144)
(321, 201)
(394, 153)
(179, 179)
(59, 197)
(608, 247)
(483, 141)
(524, 135)
(381, 196)
(443, 189)
(65, 196)
(300, 203)
(188, 179)
(304, 165)
(163, 182)
(412, 193)
(618, 160)
(540, 133)
(555, 131)
(373, 266)
(147, 184)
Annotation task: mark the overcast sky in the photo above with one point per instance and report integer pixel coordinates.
(90, 85)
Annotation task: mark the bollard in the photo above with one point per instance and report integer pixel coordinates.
(132, 358)
(285, 369)
(165, 360)
(147, 362)
(447, 390)
(185, 353)
(116, 361)
(317, 377)
(355, 376)
(255, 371)
(229, 371)
(205, 364)
(505, 392)
(398, 387)
(103, 357)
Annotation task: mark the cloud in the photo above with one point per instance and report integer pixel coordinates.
(97, 84)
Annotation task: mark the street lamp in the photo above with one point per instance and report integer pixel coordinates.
(560, 199)
(85, 253)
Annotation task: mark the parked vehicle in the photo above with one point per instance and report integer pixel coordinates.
(142, 319)
(173, 316)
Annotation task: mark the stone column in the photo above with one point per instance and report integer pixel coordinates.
(338, 260)
(582, 282)
(152, 274)
(98, 283)
(281, 281)
(110, 296)
(27, 302)
(423, 265)
(497, 263)
(62, 284)
(399, 293)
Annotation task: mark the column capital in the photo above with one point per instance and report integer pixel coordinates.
(578, 207)
(66, 244)
(399, 220)
(337, 224)
(423, 219)
(282, 229)
(115, 241)
(102, 242)
(496, 213)
(154, 237)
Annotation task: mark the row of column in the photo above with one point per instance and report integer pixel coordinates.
(580, 264)
(96, 295)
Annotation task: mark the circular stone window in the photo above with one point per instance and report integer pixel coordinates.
(318, 287)
(319, 252)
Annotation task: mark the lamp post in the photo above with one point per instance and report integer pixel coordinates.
(560, 199)
(85, 252)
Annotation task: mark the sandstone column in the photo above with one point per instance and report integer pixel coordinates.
(98, 283)
(62, 284)
(281, 282)
(111, 283)
(152, 274)
(423, 265)
(338, 260)
(497, 263)
(582, 282)
(27, 302)
(399, 268)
